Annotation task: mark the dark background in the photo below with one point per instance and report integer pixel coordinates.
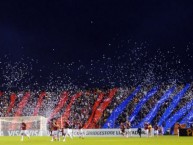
(89, 36)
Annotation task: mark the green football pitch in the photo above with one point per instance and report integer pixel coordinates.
(162, 140)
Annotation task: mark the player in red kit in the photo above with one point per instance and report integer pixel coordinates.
(55, 132)
(122, 130)
(146, 128)
(156, 130)
(24, 131)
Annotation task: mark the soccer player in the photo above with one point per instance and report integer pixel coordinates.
(81, 133)
(24, 131)
(66, 131)
(161, 130)
(139, 131)
(55, 132)
(156, 130)
(149, 130)
(50, 127)
(178, 129)
(128, 126)
(72, 127)
(122, 130)
(146, 128)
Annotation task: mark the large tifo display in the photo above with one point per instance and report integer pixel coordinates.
(75, 132)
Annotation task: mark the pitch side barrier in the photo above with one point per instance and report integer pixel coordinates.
(76, 132)
(186, 132)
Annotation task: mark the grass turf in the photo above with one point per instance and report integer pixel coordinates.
(162, 140)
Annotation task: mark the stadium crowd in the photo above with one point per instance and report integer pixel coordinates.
(82, 108)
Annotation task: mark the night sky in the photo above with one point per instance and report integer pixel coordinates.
(95, 43)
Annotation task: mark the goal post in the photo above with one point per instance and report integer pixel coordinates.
(11, 126)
